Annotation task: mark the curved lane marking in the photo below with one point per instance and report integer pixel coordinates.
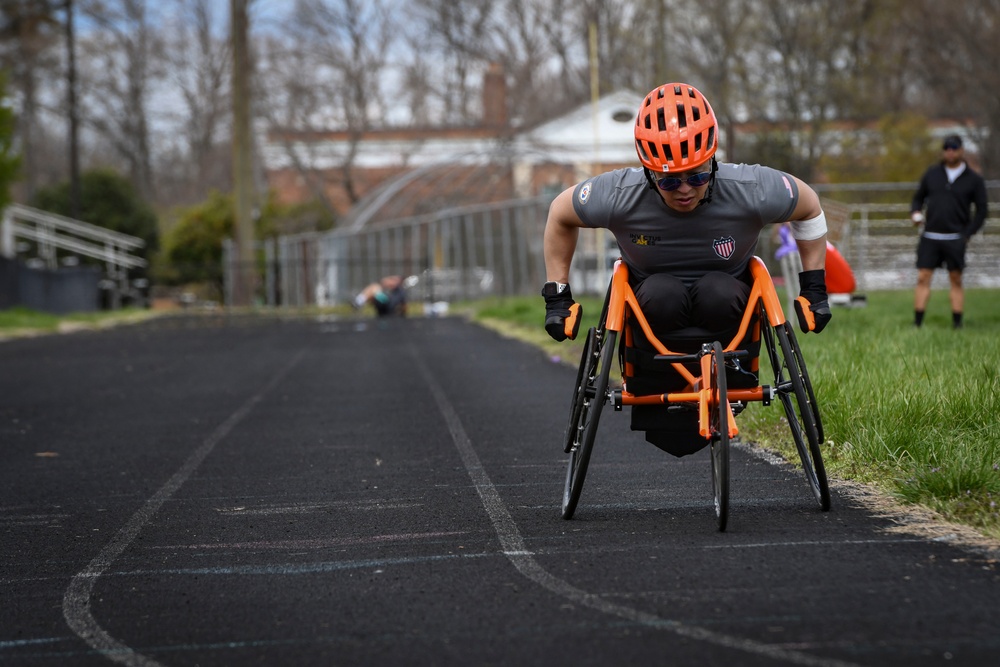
(515, 550)
(76, 600)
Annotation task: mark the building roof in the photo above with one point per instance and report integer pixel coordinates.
(593, 132)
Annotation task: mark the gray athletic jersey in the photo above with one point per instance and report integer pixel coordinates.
(718, 236)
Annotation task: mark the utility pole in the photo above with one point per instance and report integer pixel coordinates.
(74, 150)
(245, 274)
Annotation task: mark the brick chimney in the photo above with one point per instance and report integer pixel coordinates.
(495, 97)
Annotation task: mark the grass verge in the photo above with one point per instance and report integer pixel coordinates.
(20, 321)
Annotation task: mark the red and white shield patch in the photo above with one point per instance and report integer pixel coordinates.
(724, 248)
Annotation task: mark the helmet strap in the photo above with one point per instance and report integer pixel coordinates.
(711, 184)
(649, 178)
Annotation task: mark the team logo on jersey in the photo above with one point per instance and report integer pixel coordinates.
(643, 239)
(585, 192)
(724, 248)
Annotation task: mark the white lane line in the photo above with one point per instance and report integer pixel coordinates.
(76, 600)
(513, 547)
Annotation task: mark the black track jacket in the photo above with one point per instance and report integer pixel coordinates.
(948, 203)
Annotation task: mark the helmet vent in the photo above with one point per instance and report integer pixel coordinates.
(661, 121)
(697, 142)
(684, 150)
(653, 152)
(711, 137)
(682, 120)
(642, 151)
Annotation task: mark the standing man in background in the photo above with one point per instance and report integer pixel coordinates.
(948, 188)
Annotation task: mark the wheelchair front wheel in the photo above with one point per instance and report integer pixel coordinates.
(594, 394)
(719, 427)
(799, 402)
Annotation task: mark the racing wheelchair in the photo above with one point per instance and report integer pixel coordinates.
(703, 384)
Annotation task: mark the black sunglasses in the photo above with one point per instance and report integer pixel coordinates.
(952, 146)
(670, 183)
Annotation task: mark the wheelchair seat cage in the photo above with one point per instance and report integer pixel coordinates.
(706, 389)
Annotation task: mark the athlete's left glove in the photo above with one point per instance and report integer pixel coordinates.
(811, 306)
(562, 314)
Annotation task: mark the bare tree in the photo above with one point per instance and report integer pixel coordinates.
(709, 43)
(337, 54)
(959, 52)
(198, 59)
(119, 64)
(29, 49)
(457, 34)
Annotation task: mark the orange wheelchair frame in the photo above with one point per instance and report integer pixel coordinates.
(706, 391)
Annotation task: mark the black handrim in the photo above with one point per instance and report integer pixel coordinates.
(797, 355)
(584, 373)
(719, 423)
(590, 416)
(800, 407)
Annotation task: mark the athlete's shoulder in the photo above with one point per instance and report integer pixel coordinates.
(610, 185)
(732, 171)
(757, 178)
(624, 177)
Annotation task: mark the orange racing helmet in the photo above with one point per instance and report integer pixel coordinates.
(675, 129)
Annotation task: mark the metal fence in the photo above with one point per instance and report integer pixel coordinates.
(497, 250)
(460, 253)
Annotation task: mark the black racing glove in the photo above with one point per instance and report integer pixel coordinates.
(562, 314)
(812, 306)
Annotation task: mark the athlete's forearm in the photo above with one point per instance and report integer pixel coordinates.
(562, 229)
(812, 253)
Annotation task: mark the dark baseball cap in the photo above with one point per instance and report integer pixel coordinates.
(952, 141)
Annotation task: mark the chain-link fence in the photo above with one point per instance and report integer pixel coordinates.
(476, 251)
(458, 254)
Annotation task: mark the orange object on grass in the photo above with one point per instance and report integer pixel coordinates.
(839, 277)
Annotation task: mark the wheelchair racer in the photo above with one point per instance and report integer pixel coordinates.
(686, 225)
(687, 228)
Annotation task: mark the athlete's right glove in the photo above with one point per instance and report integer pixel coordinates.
(811, 306)
(562, 314)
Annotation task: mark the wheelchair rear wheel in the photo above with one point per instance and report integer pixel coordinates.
(592, 394)
(719, 427)
(795, 392)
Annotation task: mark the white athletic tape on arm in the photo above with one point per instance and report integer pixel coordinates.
(807, 230)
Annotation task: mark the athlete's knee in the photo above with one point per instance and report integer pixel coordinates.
(718, 286)
(664, 300)
(717, 300)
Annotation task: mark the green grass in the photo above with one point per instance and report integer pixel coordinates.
(20, 321)
(916, 412)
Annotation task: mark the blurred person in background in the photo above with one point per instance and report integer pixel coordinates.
(388, 296)
(948, 188)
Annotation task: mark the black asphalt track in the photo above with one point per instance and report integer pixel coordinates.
(226, 490)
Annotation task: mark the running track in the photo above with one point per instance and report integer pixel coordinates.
(226, 490)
